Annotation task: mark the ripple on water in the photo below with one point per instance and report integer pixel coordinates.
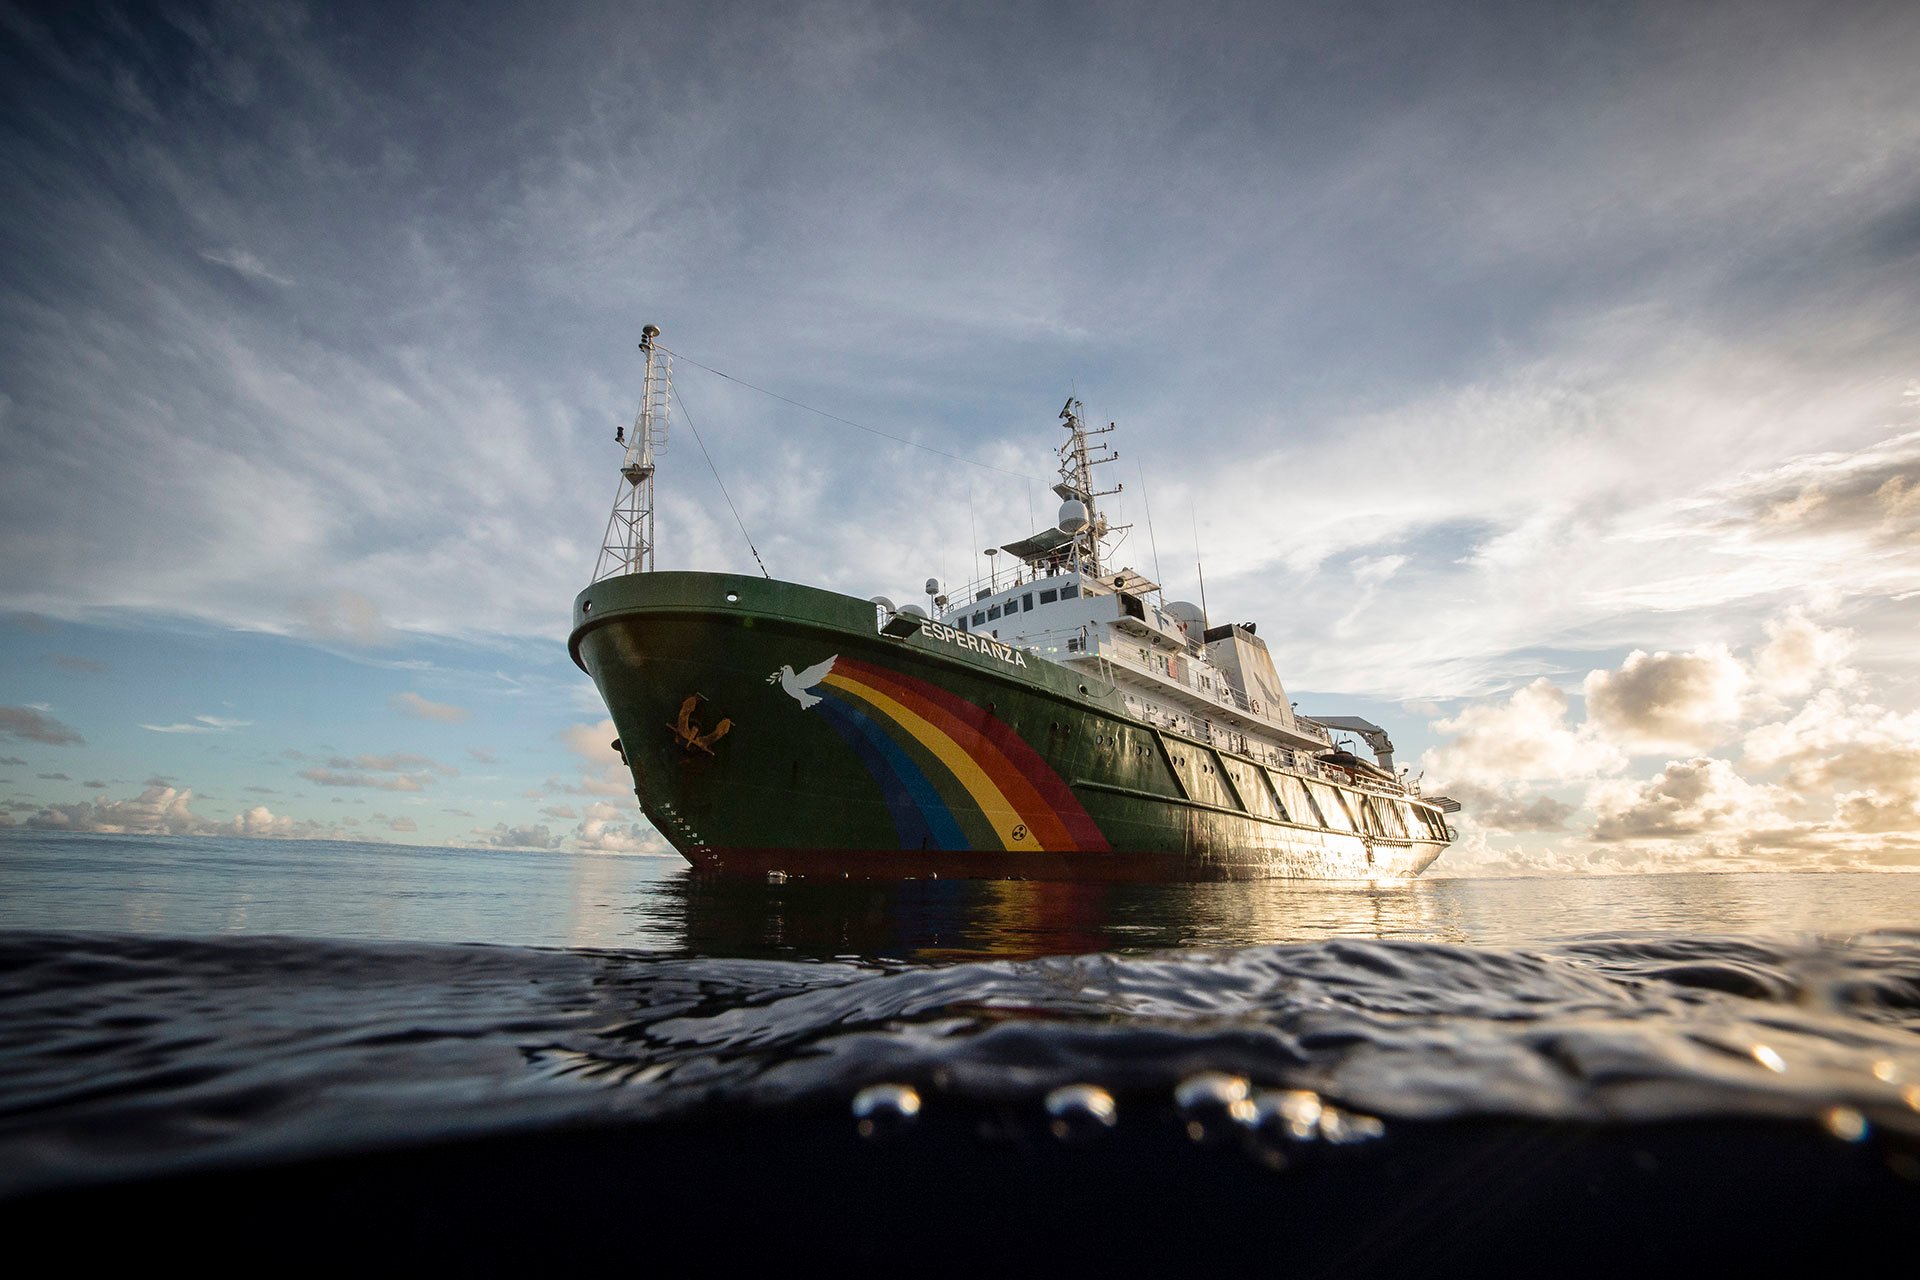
(131, 1053)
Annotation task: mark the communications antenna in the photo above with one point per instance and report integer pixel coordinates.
(628, 545)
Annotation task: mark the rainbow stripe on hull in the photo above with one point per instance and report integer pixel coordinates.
(954, 776)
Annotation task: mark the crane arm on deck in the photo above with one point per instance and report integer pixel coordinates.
(1376, 737)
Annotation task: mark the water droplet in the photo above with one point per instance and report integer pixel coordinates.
(1080, 1112)
(886, 1110)
(1213, 1104)
(1342, 1128)
(1291, 1115)
(1845, 1123)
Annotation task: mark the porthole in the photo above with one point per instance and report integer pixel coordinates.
(733, 597)
(586, 607)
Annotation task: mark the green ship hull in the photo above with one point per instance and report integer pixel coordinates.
(775, 729)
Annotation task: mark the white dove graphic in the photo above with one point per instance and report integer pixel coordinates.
(797, 685)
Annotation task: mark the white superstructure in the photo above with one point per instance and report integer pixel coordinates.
(1214, 684)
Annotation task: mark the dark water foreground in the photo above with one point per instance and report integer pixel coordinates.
(1573, 1108)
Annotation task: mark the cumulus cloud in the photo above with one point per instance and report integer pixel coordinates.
(32, 725)
(1699, 796)
(501, 836)
(1833, 780)
(415, 707)
(1526, 738)
(1867, 755)
(12, 760)
(602, 830)
(605, 775)
(1800, 653)
(261, 821)
(404, 823)
(156, 811)
(1498, 809)
(1668, 701)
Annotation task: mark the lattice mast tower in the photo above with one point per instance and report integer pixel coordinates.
(1078, 457)
(628, 545)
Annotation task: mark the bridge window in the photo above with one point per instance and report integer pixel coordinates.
(1026, 601)
(993, 613)
(1049, 596)
(978, 617)
(1069, 591)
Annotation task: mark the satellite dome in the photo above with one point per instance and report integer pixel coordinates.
(884, 603)
(913, 611)
(1187, 612)
(1073, 516)
(933, 587)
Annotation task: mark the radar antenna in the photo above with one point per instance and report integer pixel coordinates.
(628, 544)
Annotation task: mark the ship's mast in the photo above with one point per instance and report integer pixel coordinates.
(628, 545)
(1078, 457)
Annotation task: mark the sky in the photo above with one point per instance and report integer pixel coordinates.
(1545, 381)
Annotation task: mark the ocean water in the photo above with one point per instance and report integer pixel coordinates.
(499, 1059)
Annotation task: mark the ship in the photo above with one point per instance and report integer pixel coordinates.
(1060, 719)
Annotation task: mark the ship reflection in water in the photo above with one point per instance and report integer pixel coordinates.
(935, 920)
(952, 920)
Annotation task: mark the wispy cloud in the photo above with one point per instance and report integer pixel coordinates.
(31, 724)
(200, 724)
(247, 264)
(415, 707)
(399, 771)
(382, 782)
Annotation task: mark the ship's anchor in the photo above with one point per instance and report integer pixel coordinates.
(687, 731)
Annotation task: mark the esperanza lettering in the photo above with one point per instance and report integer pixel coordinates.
(979, 644)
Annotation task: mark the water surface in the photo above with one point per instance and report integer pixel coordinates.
(338, 1042)
(329, 889)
